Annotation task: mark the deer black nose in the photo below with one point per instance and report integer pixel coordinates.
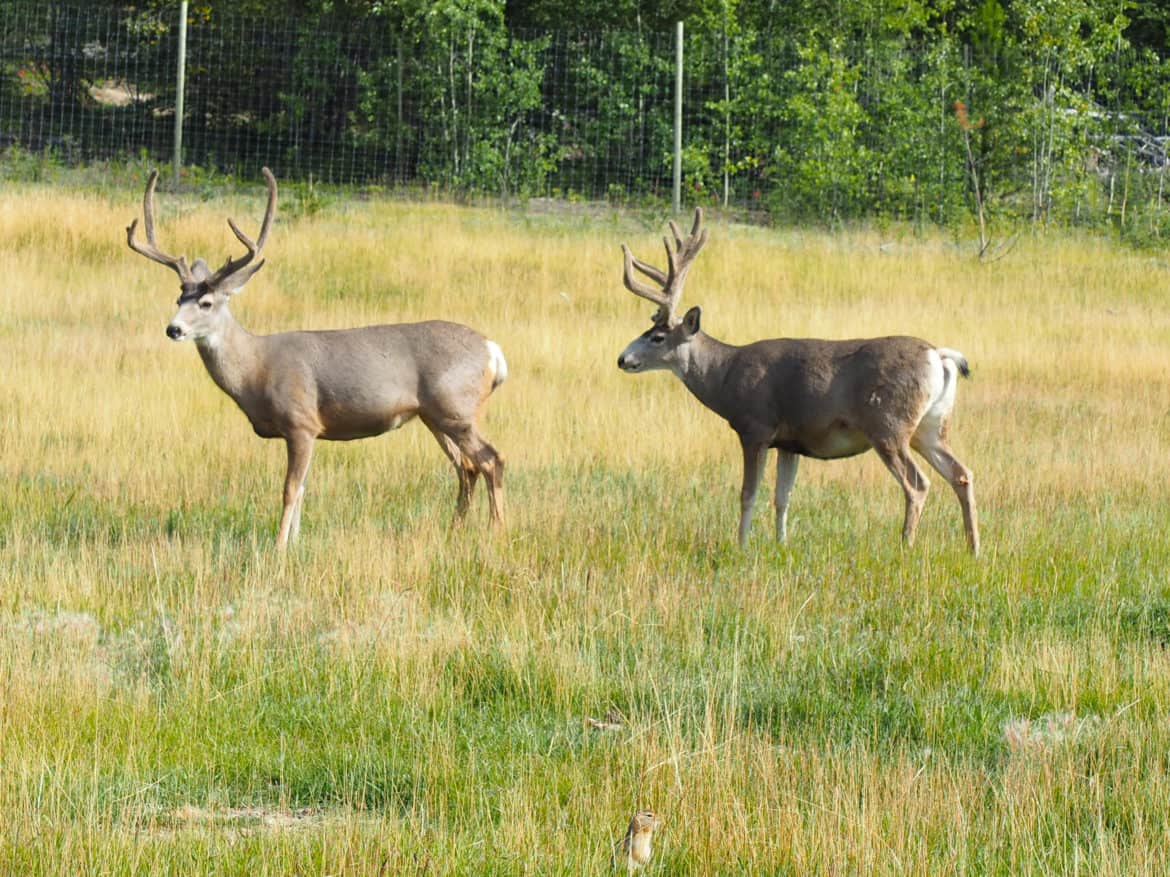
(621, 362)
(173, 331)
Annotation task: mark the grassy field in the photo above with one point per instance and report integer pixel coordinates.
(393, 697)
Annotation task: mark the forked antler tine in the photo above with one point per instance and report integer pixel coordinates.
(690, 247)
(674, 278)
(269, 209)
(252, 246)
(266, 223)
(650, 271)
(636, 286)
(148, 206)
(231, 266)
(150, 249)
(687, 252)
(697, 224)
(671, 261)
(680, 257)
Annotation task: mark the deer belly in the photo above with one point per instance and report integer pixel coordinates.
(831, 444)
(364, 425)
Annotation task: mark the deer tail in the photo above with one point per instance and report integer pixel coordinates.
(957, 358)
(497, 365)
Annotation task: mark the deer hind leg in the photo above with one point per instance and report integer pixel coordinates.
(786, 465)
(465, 471)
(754, 456)
(300, 453)
(489, 463)
(932, 444)
(914, 484)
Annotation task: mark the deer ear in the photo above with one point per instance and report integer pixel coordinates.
(691, 320)
(200, 271)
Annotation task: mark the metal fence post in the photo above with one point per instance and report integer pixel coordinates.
(399, 164)
(678, 106)
(180, 87)
(726, 112)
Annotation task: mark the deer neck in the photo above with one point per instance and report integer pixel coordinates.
(231, 354)
(702, 366)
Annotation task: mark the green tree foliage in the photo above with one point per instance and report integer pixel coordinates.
(807, 109)
(480, 84)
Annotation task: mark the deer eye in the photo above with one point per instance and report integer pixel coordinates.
(657, 339)
(205, 304)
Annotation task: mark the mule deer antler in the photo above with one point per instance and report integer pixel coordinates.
(231, 266)
(678, 263)
(150, 249)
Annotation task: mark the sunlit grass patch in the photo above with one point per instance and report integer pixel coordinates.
(398, 696)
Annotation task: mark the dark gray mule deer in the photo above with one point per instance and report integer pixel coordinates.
(807, 397)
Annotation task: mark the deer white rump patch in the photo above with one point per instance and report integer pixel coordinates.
(942, 381)
(497, 365)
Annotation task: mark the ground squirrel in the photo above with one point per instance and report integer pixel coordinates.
(634, 849)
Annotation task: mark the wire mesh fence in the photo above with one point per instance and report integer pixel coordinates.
(578, 114)
(846, 129)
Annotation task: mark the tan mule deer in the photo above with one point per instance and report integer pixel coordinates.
(807, 397)
(338, 385)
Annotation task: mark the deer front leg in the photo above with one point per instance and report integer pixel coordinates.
(300, 452)
(754, 455)
(786, 464)
(295, 529)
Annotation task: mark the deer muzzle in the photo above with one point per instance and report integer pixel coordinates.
(630, 360)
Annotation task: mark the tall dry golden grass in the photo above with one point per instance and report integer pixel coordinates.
(1065, 335)
(395, 698)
